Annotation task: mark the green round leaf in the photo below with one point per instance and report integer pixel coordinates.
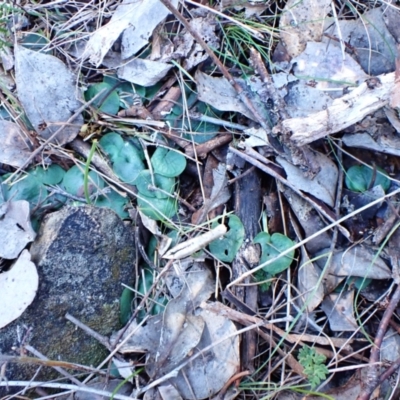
(145, 185)
(157, 209)
(128, 164)
(112, 143)
(109, 104)
(114, 201)
(359, 177)
(73, 181)
(271, 247)
(168, 162)
(29, 189)
(53, 175)
(34, 41)
(225, 248)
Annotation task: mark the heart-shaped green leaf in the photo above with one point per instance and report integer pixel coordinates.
(359, 178)
(168, 162)
(158, 187)
(112, 143)
(53, 175)
(225, 248)
(114, 201)
(128, 164)
(106, 102)
(157, 209)
(73, 181)
(271, 247)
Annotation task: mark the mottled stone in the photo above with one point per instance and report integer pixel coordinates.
(83, 256)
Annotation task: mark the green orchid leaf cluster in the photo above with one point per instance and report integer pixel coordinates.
(156, 184)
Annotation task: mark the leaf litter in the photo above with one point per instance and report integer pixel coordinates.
(316, 112)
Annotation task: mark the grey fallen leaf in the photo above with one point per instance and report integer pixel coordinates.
(339, 309)
(390, 347)
(220, 194)
(146, 16)
(322, 186)
(14, 150)
(372, 41)
(220, 94)
(187, 47)
(18, 287)
(309, 284)
(388, 144)
(136, 19)
(144, 72)
(332, 72)
(356, 261)
(308, 218)
(207, 374)
(47, 91)
(257, 137)
(302, 22)
(15, 229)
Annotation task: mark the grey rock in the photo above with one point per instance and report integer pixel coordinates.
(83, 256)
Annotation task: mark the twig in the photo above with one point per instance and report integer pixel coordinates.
(102, 339)
(372, 379)
(60, 370)
(67, 386)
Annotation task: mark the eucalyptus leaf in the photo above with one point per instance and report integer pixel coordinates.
(225, 248)
(168, 162)
(359, 178)
(271, 247)
(147, 187)
(157, 209)
(107, 102)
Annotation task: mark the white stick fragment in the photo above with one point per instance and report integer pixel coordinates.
(185, 249)
(351, 108)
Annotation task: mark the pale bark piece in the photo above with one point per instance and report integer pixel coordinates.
(144, 72)
(322, 186)
(302, 21)
(342, 113)
(339, 308)
(191, 246)
(15, 228)
(14, 150)
(146, 16)
(220, 94)
(47, 91)
(18, 288)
